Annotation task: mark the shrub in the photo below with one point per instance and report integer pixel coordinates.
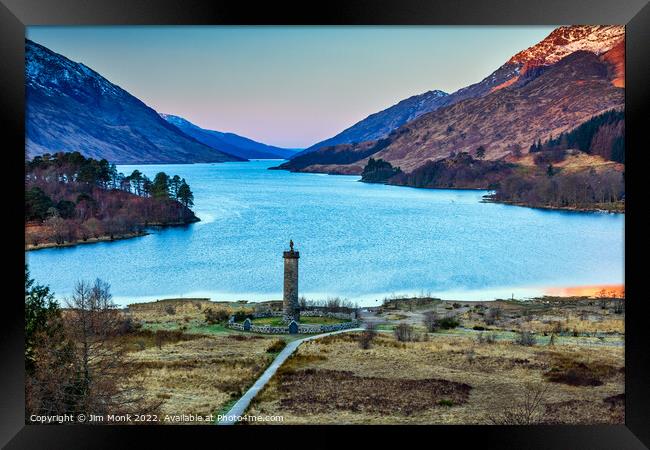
(367, 336)
(213, 316)
(169, 309)
(526, 408)
(447, 323)
(276, 346)
(526, 338)
(486, 338)
(430, 321)
(128, 325)
(445, 402)
(478, 328)
(404, 332)
(619, 307)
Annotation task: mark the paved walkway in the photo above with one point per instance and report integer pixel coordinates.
(239, 408)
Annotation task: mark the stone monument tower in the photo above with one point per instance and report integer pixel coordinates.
(290, 298)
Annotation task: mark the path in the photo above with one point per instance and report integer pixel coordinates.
(239, 408)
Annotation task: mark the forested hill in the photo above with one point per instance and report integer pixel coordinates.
(72, 199)
(579, 169)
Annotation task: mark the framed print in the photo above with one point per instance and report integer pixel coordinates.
(383, 217)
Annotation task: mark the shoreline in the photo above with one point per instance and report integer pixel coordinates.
(107, 238)
(31, 247)
(486, 199)
(373, 300)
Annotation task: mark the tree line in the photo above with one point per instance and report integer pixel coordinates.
(602, 135)
(586, 189)
(458, 171)
(378, 171)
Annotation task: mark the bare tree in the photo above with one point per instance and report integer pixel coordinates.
(526, 408)
(93, 323)
(492, 315)
(430, 321)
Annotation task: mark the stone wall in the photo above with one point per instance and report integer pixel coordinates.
(319, 313)
(302, 329)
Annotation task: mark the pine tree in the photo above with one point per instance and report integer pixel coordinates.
(185, 195)
(174, 185)
(160, 186)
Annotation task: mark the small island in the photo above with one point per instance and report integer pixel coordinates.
(71, 199)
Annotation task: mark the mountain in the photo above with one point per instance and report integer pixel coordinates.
(229, 142)
(570, 76)
(70, 107)
(379, 124)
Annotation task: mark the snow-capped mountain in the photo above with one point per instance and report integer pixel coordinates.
(70, 107)
(565, 40)
(572, 75)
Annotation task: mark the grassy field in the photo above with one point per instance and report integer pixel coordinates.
(201, 374)
(444, 380)
(192, 366)
(476, 373)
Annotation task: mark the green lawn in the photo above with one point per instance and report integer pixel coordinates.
(277, 321)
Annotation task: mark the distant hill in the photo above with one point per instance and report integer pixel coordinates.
(379, 124)
(229, 142)
(70, 107)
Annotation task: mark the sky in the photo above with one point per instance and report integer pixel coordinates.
(286, 86)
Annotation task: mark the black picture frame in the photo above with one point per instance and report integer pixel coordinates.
(16, 14)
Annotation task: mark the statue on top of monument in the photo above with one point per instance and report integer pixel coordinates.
(291, 244)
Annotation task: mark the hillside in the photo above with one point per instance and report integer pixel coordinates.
(379, 124)
(70, 107)
(230, 143)
(581, 169)
(596, 39)
(503, 122)
(510, 119)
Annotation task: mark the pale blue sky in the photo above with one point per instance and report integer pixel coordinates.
(286, 86)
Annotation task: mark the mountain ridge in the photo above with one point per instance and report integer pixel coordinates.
(521, 67)
(467, 112)
(70, 107)
(379, 124)
(231, 143)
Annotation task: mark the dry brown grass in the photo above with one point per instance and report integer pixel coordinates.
(325, 390)
(183, 309)
(575, 162)
(575, 371)
(497, 374)
(611, 324)
(201, 375)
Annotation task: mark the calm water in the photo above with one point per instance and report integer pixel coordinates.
(356, 240)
